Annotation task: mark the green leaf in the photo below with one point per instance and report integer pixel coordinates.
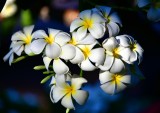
(40, 67)
(48, 72)
(26, 17)
(19, 59)
(45, 79)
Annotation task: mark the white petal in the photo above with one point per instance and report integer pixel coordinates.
(53, 50)
(120, 87)
(86, 14)
(97, 30)
(113, 29)
(27, 49)
(67, 102)
(126, 79)
(105, 10)
(105, 77)
(97, 18)
(86, 65)
(51, 94)
(82, 32)
(62, 38)
(142, 3)
(11, 59)
(53, 32)
(59, 67)
(68, 52)
(47, 61)
(115, 18)
(39, 34)
(133, 57)
(80, 96)
(37, 46)
(124, 40)
(118, 66)
(19, 51)
(97, 56)
(18, 36)
(125, 54)
(77, 82)
(107, 63)
(89, 39)
(108, 87)
(53, 81)
(58, 93)
(154, 14)
(75, 24)
(110, 44)
(28, 30)
(79, 57)
(6, 57)
(16, 46)
(61, 81)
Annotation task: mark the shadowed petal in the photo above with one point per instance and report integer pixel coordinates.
(118, 66)
(86, 14)
(37, 46)
(47, 61)
(62, 38)
(105, 77)
(108, 87)
(75, 24)
(113, 29)
(67, 101)
(86, 65)
(77, 82)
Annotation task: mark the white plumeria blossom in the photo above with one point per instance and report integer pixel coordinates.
(114, 56)
(21, 41)
(67, 77)
(89, 21)
(112, 82)
(76, 40)
(55, 46)
(135, 50)
(93, 57)
(112, 19)
(64, 91)
(9, 9)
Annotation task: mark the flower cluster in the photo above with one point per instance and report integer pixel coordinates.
(115, 57)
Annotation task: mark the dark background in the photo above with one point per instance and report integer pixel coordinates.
(20, 88)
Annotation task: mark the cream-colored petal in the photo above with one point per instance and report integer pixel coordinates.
(68, 52)
(53, 50)
(77, 82)
(79, 57)
(118, 66)
(47, 61)
(97, 56)
(37, 46)
(107, 63)
(105, 76)
(75, 24)
(80, 96)
(109, 87)
(86, 65)
(60, 67)
(97, 30)
(67, 101)
(18, 36)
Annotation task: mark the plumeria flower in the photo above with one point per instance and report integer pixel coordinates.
(76, 40)
(112, 19)
(93, 57)
(135, 52)
(67, 77)
(55, 46)
(112, 82)
(89, 21)
(114, 56)
(66, 91)
(154, 11)
(9, 9)
(21, 41)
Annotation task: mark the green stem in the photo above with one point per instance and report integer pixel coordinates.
(81, 73)
(67, 110)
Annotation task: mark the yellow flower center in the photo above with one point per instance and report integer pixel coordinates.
(70, 89)
(73, 41)
(88, 23)
(116, 53)
(28, 39)
(49, 39)
(133, 47)
(86, 51)
(116, 79)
